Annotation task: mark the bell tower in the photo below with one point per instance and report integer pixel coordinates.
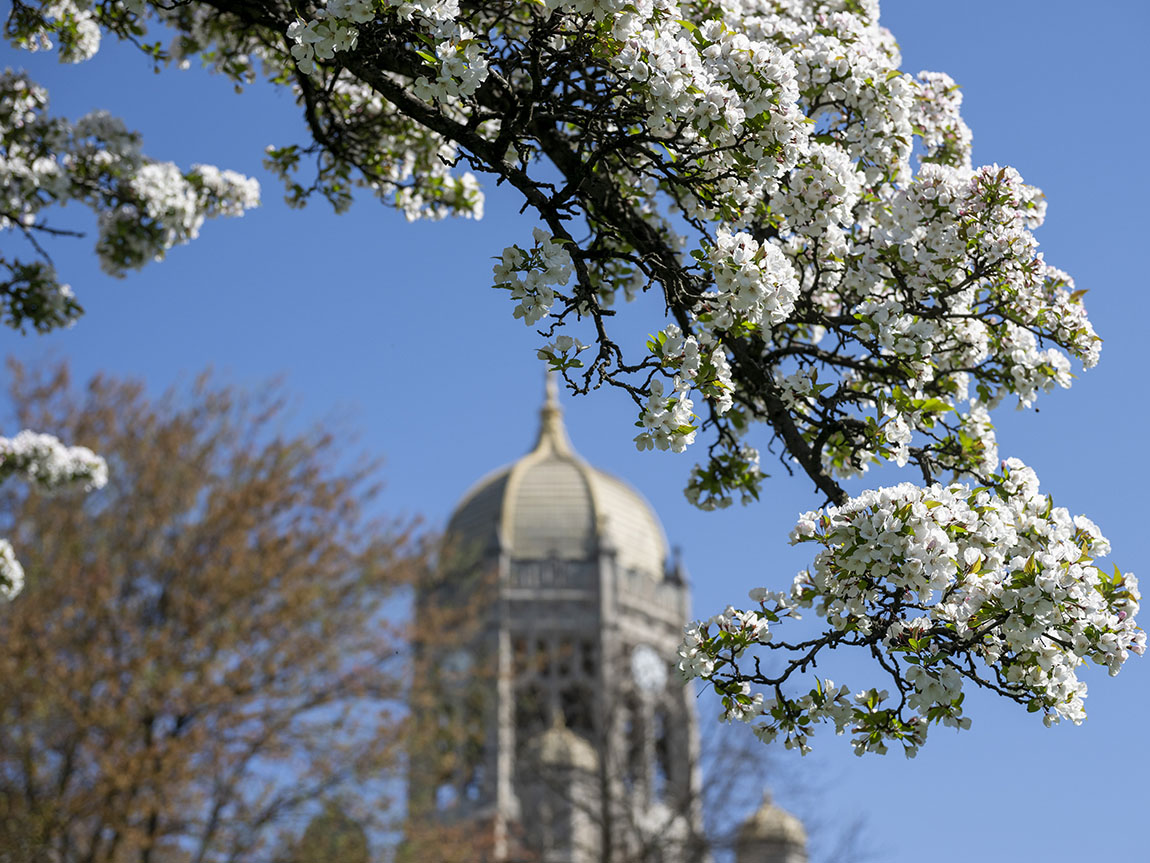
(555, 730)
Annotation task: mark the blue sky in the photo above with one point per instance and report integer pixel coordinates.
(391, 330)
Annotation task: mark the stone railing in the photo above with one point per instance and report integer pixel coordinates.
(552, 574)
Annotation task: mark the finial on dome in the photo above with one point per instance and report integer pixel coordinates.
(552, 433)
(551, 385)
(675, 572)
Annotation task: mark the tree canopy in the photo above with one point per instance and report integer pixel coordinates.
(206, 650)
(831, 267)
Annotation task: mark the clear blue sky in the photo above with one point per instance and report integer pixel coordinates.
(392, 330)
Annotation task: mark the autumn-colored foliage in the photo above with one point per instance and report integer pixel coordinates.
(332, 836)
(208, 648)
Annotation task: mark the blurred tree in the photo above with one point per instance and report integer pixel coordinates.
(333, 836)
(209, 647)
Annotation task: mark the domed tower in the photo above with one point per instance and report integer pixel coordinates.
(771, 835)
(563, 676)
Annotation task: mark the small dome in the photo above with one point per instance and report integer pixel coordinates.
(769, 823)
(559, 746)
(551, 503)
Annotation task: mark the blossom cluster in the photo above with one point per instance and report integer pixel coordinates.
(712, 88)
(694, 363)
(74, 26)
(668, 420)
(435, 193)
(562, 353)
(331, 30)
(920, 264)
(532, 275)
(991, 585)
(820, 196)
(755, 284)
(944, 133)
(33, 294)
(11, 572)
(50, 467)
(459, 61)
(164, 208)
(144, 207)
(731, 469)
(960, 244)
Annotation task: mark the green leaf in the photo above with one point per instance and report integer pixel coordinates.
(934, 406)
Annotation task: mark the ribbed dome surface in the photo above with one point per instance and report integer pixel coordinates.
(551, 503)
(549, 510)
(769, 823)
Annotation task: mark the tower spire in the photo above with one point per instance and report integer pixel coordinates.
(552, 432)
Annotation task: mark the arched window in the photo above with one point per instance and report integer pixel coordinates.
(519, 655)
(531, 711)
(661, 732)
(634, 756)
(575, 700)
(543, 659)
(458, 740)
(565, 657)
(473, 782)
(587, 658)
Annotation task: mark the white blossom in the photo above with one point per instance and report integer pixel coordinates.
(950, 577)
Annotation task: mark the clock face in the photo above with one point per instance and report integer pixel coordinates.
(648, 669)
